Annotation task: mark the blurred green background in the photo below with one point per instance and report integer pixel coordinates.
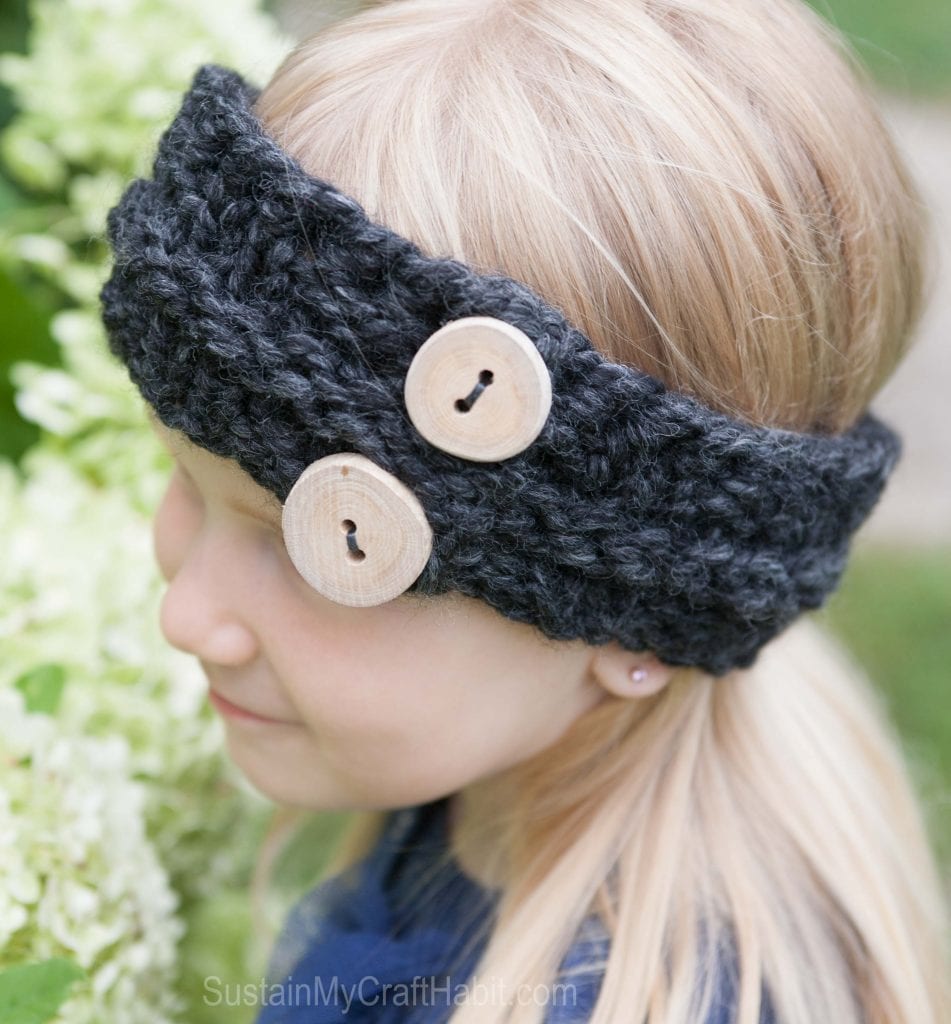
(905, 43)
(894, 608)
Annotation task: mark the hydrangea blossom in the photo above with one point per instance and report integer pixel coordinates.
(81, 878)
(64, 607)
(118, 808)
(99, 84)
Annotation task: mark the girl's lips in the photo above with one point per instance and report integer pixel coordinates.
(225, 707)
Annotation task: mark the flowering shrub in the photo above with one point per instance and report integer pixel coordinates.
(81, 875)
(119, 813)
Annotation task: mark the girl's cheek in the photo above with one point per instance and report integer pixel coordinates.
(176, 520)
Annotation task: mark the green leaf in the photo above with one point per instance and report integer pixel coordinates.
(33, 993)
(42, 688)
(25, 335)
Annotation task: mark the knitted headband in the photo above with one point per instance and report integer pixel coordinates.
(432, 429)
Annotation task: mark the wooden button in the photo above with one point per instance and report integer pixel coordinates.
(356, 534)
(478, 388)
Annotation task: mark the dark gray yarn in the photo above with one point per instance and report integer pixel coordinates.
(262, 313)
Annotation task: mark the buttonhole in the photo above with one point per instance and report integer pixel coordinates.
(353, 552)
(465, 404)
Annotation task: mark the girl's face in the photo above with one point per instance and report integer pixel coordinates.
(357, 707)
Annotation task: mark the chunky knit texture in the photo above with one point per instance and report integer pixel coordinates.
(260, 311)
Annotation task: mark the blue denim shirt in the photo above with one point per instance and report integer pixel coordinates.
(367, 945)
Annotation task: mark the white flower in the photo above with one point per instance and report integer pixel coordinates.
(118, 810)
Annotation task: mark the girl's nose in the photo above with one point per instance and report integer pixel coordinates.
(194, 618)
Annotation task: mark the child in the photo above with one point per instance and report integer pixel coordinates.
(516, 358)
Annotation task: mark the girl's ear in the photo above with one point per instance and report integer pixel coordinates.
(628, 674)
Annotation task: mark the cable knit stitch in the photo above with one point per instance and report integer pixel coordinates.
(260, 311)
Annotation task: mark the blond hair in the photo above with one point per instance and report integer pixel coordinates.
(704, 188)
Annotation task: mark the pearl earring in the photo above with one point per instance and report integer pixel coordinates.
(639, 674)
